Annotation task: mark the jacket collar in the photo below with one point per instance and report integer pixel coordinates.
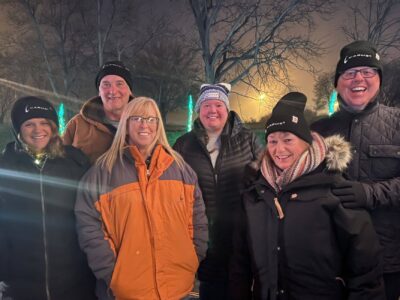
(338, 156)
(370, 108)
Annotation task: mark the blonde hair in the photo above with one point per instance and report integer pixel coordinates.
(140, 106)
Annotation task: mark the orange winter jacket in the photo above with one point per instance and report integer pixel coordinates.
(144, 230)
(88, 132)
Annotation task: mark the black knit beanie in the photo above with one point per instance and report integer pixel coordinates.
(357, 54)
(288, 115)
(31, 107)
(115, 67)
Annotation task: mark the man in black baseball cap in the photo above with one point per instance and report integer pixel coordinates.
(93, 129)
(373, 131)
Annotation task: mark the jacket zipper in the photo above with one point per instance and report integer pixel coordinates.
(46, 259)
(151, 236)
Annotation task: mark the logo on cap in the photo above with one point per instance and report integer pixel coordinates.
(28, 108)
(347, 58)
(212, 95)
(295, 119)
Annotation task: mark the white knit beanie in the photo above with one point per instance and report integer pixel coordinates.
(218, 91)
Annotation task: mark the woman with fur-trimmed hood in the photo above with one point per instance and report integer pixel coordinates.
(295, 239)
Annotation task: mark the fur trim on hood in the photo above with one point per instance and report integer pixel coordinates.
(338, 154)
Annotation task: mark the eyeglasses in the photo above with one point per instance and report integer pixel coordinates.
(365, 73)
(140, 120)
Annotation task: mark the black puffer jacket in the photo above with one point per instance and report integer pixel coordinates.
(375, 138)
(220, 186)
(318, 250)
(39, 252)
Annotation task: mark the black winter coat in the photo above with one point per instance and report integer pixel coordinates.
(319, 250)
(39, 252)
(220, 186)
(375, 138)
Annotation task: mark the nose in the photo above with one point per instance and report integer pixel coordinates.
(358, 76)
(143, 123)
(112, 88)
(213, 108)
(279, 147)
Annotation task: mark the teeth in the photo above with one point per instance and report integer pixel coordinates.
(358, 89)
(143, 133)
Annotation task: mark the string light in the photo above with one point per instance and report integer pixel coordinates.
(190, 113)
(61, 118)
(332, 102)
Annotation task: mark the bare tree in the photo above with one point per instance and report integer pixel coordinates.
(52, 28)
(376, 21)
(323, 88)
(390, 90)
(165, 71)
(254, 40)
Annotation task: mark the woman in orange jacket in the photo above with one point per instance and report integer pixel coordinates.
(140, 215)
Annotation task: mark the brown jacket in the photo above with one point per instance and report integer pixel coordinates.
(87, 131)
(144, 235)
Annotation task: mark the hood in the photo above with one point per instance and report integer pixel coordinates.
(338, 154)
(93, 109)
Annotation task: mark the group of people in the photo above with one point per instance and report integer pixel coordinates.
(111, 211)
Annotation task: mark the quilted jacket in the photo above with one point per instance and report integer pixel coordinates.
(375, 138)
(220, 186)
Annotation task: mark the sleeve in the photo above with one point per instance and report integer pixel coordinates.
(362, 254)
(4, 253)
(200, 224)
(240, 275)
(92, 234)
(383, 193)
(69, 134)
(178, 145)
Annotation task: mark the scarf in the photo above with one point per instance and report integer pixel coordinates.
(307, 162)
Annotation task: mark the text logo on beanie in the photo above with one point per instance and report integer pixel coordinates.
(288, 115)
(31, 107)
(357, 54)
(219, 91)
(115, 67)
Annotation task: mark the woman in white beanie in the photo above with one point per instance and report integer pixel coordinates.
(218, 149)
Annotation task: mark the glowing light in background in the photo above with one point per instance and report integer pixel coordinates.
(332, 102)
(61, 118)
(190, 113)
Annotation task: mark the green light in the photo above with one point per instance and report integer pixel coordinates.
(332, 101)
(190, 113)
(61, 118)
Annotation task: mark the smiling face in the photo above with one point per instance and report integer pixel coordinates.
(142, 131)
(114, 93)
(213, 115)
(285, 148)
(359, 91)
(36, 133)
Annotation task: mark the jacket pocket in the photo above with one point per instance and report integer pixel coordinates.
(385, 161)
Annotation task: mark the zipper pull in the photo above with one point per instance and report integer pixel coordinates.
(279, 208)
